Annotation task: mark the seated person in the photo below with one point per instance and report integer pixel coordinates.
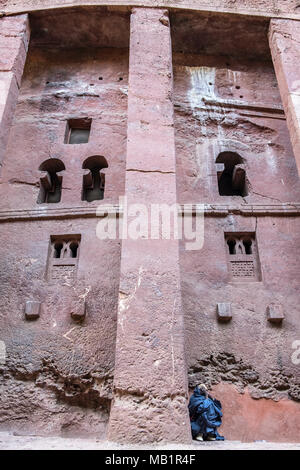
(205, 414)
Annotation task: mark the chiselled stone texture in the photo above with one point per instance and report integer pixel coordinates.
(260, 419)
(232, 104)
(14, 38)
(61, 367)
(284, 37)
(150, 387)
(227, 368)
(83, 367)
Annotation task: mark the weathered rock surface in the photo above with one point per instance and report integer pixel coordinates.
(70, 369)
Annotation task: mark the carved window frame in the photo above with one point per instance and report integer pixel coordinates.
(240, 264)
(66, 262)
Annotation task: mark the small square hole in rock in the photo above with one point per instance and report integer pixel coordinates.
(78, 131)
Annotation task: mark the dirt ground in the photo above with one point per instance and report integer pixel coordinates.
(12, 442)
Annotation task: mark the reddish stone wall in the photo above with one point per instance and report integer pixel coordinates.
(241, 113)
(247, 419)
(59, 85)
(14, 39)
(229, 104)
(58, 375)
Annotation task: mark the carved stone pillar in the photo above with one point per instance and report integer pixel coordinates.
(284, 39)
(14, 39)
(150, 385)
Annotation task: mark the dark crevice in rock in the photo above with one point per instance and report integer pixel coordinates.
(86, 391)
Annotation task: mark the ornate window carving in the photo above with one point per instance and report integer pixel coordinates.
(242, 256)
(63, 257)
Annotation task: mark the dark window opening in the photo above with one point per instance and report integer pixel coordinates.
(78, 131)
(93, 180)
(231, 245)
(50, 181)
(57, 250)
(74, 249)
(248, 247)
(232, 179)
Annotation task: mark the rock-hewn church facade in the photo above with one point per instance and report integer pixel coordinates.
(108, 104)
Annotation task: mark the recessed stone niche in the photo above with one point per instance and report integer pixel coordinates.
(32, 309)
(78, 131)
(242, 256)
(63, 258)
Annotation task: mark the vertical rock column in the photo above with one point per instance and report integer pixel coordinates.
(150, 384)
(284, 39)
(14, 39)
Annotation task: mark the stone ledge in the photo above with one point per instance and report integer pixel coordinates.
(46, 213)
(242, 107)
(265, 108)
(266, 9)
(222, 210)
(210, 210)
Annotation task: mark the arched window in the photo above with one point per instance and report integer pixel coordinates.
(248, 246)
(93, 181)
(64, 248)
(232, 177)
(57, 249)
(73, 249)
(50, 181)
(63, 257)
(232, 246)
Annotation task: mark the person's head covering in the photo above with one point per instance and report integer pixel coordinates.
(202, 389)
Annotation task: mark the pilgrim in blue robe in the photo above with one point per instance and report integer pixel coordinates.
(205, 414)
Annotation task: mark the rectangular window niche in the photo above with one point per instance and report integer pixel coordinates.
(242, 256)
(63, 257)
(78, 131)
